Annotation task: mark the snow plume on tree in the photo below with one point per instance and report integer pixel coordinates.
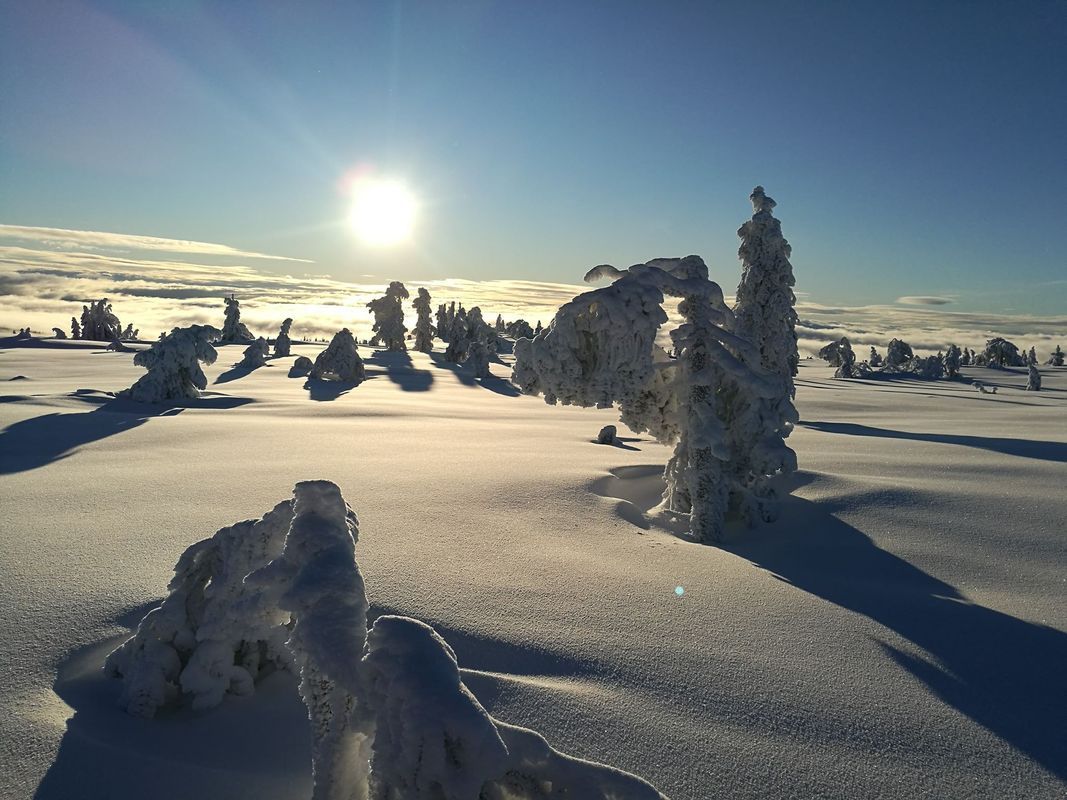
(953, 361)
(1000, 352)
(283, 344)
(846, 367)
(388, 313)
(59, 333)
(75, 329)
(1055, 359)
(340, 361)
(765, 301)
(599, 350)
(233, 330)
(1033, 381)
(897, 355)
(256, 354)
(202, 643)
(424, 330)
(99, 323)
(173, 365)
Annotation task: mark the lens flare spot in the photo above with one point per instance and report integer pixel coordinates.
(679, 590)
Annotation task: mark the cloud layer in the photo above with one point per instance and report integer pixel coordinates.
(924, 300)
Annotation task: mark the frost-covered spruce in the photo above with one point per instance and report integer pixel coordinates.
(520, 329)
(205, 640)
(1033, 381)
(931, 368)
(1031, 357)
(130, 333)
(831, 353)
(256, 354)
(75, 329)
(499, 325)
(477, 359)
(765, 301)
(433, 739)
(965, 357)
(897, 355)
(340, 361)
(59, 333)
(458, 339)
(283, 344)
(600, 349)
(875, 359)
(233, 330)
(173, 365)
(302, 366)
(442, 322)
(953, 361)
(424, 330)
(99, 323)
(388, 313)
(1055, 359)
(999, 352)
(846, 367)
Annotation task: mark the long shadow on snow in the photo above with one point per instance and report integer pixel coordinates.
(401, 371)
(38, 441)
(492, 383)
(1024, 448)
(1002, 672)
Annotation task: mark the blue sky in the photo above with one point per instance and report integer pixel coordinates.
(915, 149)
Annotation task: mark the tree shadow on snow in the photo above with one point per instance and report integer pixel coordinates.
(247, 746)
(1002, 672)
(325, 391)
(42, 440)
(464, 375)
(235, 372)
(401, 371)
(1024, 448)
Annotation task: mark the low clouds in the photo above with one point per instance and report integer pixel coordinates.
(924, 300)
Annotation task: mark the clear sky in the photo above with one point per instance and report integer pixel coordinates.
(914, 149)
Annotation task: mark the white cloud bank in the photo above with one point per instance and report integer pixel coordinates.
(45, 286)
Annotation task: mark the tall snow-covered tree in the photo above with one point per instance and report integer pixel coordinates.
(897, 355)
(831, 353)
(443, 326)
(846, 367)
(953, 361)
(282, 343)
(388, 310)
(173, 365)
(233, 330)
(1033, 381)
(600, 349)
(1031, 357)
(1056, 358)
(75, 329)
(458, 339)
(340, 361)
(999, 352)
(765, 301)
(424, 330)
(875, 359)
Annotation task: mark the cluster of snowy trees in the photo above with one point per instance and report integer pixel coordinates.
(390, 716)
(725, 401)
(99, 324)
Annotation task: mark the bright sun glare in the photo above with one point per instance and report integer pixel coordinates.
(383, 213)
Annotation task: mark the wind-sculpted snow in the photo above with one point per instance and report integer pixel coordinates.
(173, 365)
(390, 716)
(340, 361)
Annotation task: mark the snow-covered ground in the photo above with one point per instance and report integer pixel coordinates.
(899, 632)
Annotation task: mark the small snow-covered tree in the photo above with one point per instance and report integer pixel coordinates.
(477, 359)
(897, 355)
(499, 326)
(953, 361)
(340, 361)
(99, 323)
(1056, 358)
(930, 368)
(999, 352)
(59, 333)
(965, 357)
(388, 313)
(537, 329)
(283, 344)
(458, 339)
(129, 334)
(600, 349)
(75, 329)
(1033, 382)
(256, 354)
(442, 323)
(831, 353)
(765, 301)
(233, 330)
(1031, 357)
(875, 359)
(520, 329)
(846, 367)
(173, 365)
(424, 330)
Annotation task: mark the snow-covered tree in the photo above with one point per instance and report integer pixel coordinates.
(600, 349)
(458, 339)
(59, 333)
(953, 361)
(999, 352)
(424, 330)
(1031, 357)
(897, 355)
(846, 367)
(537, 329)
(499, 326)
(443, 325)
(1033, 382)
(765, 301)
(520, 329)
(388, 313)
(173, 365)
(283, 344)
(233, 330)
(99, 323)
(965, 357)
(340, 361)
(875, 359)
(129, 334)
(1056, 358)
(75, 329)
(256, 354)
(831, 353)
(930, 368)
(302, 366)
(477, 359)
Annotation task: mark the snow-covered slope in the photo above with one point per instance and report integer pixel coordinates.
(897, 633)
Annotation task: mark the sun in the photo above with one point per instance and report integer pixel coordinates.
(383, 212)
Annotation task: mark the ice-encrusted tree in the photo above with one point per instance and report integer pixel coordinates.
(1033, 379)
(130, 333)
(953, 361)
(256, 354)
(173, 365)
(99, 323)
(600, 349)
(283, 344)
(424, 330)
(388, 313)
(831, 353)
(499, 325)
(765, 302)
(59, 333)
(846, 367)
(875, 359)
(340, 361)
(233, 330)
(1031, 357)
(458, 339)
(442, 322)
(477, 359)
(1055, 359)
(537, 329)
(75, 329)
(897, 355)
(965, 357)
(520, 329)
(999, 352)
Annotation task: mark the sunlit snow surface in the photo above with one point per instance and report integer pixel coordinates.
(899, 631)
